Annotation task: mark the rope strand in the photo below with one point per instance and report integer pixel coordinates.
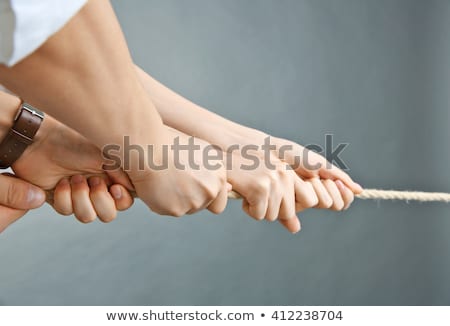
(389, 194)
(405, 195)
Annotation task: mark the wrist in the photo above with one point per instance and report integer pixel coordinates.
(138, 153)
(236, 134)
(47, 127)
(9, 104)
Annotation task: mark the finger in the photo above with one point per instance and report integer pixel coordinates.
(62, 198)
(274, 204)
(118, 176)
(256, 211)
(256, 200)
(325, 200)
(81, 202)
(335, 173)
(293, 224)
(101, 200)
(347, 194)
(122, 197)
(18, 194)
(305, 196)
(338, 202)
(8, 216)
(218, 205)
(287, 208)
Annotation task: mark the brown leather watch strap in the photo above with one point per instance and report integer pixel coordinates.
(26, 124)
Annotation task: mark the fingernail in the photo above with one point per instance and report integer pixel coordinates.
(94, 181)
(35, 196)
(116, 192)
(64, 182)
(76, 179)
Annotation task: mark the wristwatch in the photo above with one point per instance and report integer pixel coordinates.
(26, 124)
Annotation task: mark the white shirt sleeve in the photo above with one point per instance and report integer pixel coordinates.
(25, 25)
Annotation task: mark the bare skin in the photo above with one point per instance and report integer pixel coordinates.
(91, 86)
(268, 193)
(90, 57)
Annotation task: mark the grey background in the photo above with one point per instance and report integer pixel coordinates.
(373, 73)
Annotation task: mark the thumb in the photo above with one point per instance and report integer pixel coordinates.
(18, 194)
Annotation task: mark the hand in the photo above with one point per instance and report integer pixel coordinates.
(59, 153)
(310, 165)
(184, 115)
(16, 198)
(270, 193)
(90, 197)
(333, 186)
(185, 185)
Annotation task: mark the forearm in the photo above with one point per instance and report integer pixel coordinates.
(84, 77)
(190, 118)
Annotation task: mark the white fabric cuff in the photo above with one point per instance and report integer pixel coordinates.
(25, 25)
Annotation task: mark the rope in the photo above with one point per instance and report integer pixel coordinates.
(404, 195)
(389, 194)
(366, 194)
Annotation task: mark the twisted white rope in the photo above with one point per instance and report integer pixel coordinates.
(366, 194)
(390, 194)
(404, 195)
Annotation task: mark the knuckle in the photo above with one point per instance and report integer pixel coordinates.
(108, 218)
(63, 210)
(327, 203)
(210, 194)
(198, 206)
(216, 210)
(176, 213)
(271, 218)
(85, 219)
(16, 193)
(347, 205)
(258, 217)
(281, 171)
(338, 206)
(262, 187)
(311, 200)
(158, 211)
(165, 210)
(255, 214)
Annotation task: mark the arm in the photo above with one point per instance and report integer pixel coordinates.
(84, 77)
(57, 152)
(180, 113)
(184, 115)
(16, 196)
(267, 192)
